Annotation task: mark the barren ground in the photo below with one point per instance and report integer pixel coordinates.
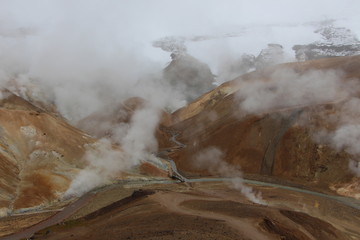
(204, 211)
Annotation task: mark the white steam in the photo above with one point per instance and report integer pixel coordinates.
(84, 56)
(287, 89)
(354, 167)
(104, 163)
(346, 136)
(211, 159)
(139, 138)
(344, 133)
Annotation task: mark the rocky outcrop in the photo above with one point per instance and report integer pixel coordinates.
(185, 73)
(335, 42)
(269, 56)
(189, 76)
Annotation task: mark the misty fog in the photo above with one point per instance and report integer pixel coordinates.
(88, 56)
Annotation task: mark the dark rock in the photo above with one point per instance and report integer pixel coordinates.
(336, 42)
(189, 75)
(271, 55)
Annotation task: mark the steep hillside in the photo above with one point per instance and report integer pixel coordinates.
(39, 154)
(280, 140)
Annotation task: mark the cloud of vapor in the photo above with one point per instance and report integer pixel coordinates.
(211, 159)
(85, 57)
(139, 137)
(354, 167)
(101, 50)
(287, 89)
(346, 134)
(87, 60)
(104, 162)
(345, 138)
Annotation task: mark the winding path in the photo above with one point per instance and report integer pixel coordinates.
(72, 208)
(55, 219)
(82, 201)
(350, 202)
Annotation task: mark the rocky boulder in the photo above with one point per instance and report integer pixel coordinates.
(188, 75)
(335, 42)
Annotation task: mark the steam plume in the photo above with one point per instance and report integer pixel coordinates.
(286, 89)
(211, 160)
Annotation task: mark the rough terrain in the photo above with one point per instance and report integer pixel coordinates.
(299, 179)
(210, 210)
(277, 142)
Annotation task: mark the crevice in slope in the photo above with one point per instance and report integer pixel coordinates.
(267, 164)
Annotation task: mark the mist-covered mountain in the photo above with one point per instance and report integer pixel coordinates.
(266, 124)
(274, 124)
(335, 42)
(40, 154)
(179, 120)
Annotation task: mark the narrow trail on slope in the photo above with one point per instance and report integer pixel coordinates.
(55, 219)
(174, 173)
(173, 203)
(350, 202)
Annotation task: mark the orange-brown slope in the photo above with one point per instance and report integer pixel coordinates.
(275, 142)
(194, 214)
(39, 154)
(103, 122)
(349, 65)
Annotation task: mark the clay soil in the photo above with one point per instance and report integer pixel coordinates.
(13, 224)
(208, 211)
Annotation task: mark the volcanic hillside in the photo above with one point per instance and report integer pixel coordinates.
(39, 154)
(278, 141)
(281, 142)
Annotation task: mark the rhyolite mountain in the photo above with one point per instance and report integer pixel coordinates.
(275, 142)
(40, 153)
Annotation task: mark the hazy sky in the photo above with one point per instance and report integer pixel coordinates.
(103, 29)
(175, 15)
(141, 21)
(90, 54)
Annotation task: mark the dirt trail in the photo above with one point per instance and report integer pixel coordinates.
(57, 218)
(173, 171)
(173, 203)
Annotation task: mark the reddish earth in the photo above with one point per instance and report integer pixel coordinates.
(276, 142)
(211, 211)
(12, 224)
(148, 169)
(273, 146)
(39, 154)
